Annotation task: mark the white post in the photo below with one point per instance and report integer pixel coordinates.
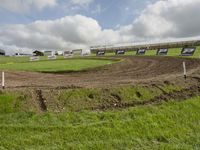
(3, 80)
(184, 70)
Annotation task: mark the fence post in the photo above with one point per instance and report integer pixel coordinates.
(3, 80)
(184, 71)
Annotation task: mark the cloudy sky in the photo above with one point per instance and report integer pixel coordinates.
(70, 24)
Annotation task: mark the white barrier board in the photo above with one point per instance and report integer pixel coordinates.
(52, 57)
(35, 58)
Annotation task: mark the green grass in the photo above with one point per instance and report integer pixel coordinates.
(11, 102)
(174, 125)
(80, 99)
(70, 100)
(4, 60)
(56, 65)
(197, 53)
(6, 103)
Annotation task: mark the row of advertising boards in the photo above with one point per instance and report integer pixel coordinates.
(53, 57)
(187, 51)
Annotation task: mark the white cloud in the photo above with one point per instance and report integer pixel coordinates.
(170, 19)
(166, 19)
(21, 6)
(65, 33)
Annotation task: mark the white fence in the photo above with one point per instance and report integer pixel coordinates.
(3, 80)
(53, 57)
(34, 58)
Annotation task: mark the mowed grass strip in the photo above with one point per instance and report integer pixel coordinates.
(174, 125)
(56, 65)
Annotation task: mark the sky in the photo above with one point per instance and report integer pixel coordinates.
(27, 25)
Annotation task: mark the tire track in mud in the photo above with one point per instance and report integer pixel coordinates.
(41, 100)
(177, 96)
(49, 100)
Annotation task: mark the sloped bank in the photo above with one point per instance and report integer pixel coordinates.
(75, 99)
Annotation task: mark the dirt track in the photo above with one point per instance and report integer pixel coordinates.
(131, 70)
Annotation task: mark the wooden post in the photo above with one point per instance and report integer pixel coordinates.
(184, 71)
(3, 80)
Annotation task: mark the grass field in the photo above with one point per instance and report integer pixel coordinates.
(173, 125)
(54, 65)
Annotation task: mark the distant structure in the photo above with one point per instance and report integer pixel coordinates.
(77, 51)
(148, 45)
(85, 53)
(38, 53)
(59, 53)
(22, 54)
(49, 53)
(2, 52)
(68, 53)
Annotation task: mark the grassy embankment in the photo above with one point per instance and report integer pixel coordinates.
(173, 125)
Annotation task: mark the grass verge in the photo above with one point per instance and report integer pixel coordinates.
(174, 125)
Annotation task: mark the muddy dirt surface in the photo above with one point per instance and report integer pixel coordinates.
(132, 70)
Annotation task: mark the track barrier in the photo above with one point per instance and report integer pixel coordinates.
(100, 53)
(188, 51)
(120, 52)
(141, 51)
(162, 51)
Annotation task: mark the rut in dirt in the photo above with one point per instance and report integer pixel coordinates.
(41, 100)
(177, 96)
